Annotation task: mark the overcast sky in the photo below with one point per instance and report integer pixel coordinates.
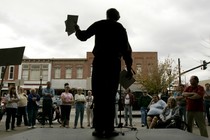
(174, 28)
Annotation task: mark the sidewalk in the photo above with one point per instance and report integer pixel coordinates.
(136, 124)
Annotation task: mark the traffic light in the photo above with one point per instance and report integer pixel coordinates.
(204, 65)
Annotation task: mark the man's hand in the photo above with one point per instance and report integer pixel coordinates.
(129, 74)
(76, 27)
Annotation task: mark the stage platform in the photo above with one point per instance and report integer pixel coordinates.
(85, 134)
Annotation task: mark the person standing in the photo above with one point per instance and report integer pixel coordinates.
(128, 105)
(181, 102)
(207, 102)
(79, 108)
(194, 105)
(111, 43)
(117, 98)
(22, 107)
(47, 108)
(144, 101)
(11, 107)
(89, 109)
(67, 100)
(32, 107)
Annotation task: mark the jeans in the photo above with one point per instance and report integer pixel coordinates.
(116, 113)
(207, 106)
(22, 113)
(32, 113)
(143, 111)
(182, 113)
(128, 110)
(80, 108)
(47, 111)
(11, 113)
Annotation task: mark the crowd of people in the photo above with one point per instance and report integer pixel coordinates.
(189, 104)
(18, 105)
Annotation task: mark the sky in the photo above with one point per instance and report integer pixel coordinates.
(178, 29)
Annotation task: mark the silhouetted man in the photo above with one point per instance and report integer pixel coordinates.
(111, 43)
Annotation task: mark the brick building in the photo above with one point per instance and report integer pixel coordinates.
(75, 71)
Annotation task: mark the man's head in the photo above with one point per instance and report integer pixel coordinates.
(112, 14)
(48, 84)
(194, 80)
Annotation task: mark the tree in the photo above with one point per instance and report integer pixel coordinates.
(158, 77)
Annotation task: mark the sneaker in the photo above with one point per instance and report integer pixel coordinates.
(67, 126)
(142, 125)
(34, 126)
(7, 130)
(42, 126)
(29, 127)
(82, 127)
(50, 126)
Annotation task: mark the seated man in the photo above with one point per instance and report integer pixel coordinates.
(170, 113)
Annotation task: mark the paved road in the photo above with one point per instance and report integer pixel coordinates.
(136, 124)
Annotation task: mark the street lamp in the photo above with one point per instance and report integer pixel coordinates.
(40, 86)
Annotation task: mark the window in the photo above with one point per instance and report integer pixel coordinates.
(25, 71)
(138, 68)
(25, 74)
(2, 72)
(35, 72)
(11, 72)
(57, 73)
(44, 75)
(68, 73)
(79, 72)
(44, 72)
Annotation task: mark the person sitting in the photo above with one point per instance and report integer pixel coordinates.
(156, 107)
(170, 116)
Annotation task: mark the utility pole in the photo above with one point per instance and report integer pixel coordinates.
(179, 68)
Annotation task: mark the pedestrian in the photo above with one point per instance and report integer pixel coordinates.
(111, 43)
(143, 102)
(207, 102)
(22, 107)
(89, 109)
(32, 107)
(47, 107)
(67, 99)
(79, 107)
(181, 102)
(194, 105)
(11, 108)
(128, 106)
(117, 98)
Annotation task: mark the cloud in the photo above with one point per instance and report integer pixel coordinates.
(177, 28)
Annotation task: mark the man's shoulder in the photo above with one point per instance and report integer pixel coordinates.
(199, 86)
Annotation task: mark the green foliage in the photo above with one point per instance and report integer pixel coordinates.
(158, 77)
